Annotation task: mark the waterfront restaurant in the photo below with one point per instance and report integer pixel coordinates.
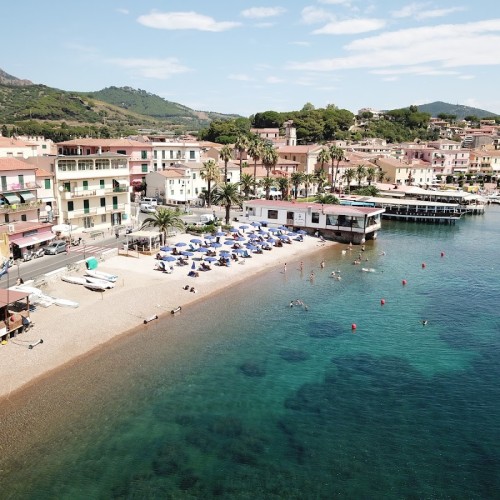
(347, 224)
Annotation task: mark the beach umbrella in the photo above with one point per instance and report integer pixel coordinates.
(273, 230)
(187, 254)
(229, 242)
(233, 230)
(291, 233)
(193, 265)
(262, 232)
(255, 224)
(215, 244)
(271, 240)
(210, 237)
(283, 228)
(283, 237)
(240, 238)
(224, 252)
(301, 231)
(220, 233)
(210, 259)
(169, 258)
(252, 247)
(180, 244)
(244, 227)
(202, 249)
(166, 249)
(252, 236)
(238, 250)
(196, 241)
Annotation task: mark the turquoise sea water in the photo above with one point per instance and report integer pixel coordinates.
(244, 397)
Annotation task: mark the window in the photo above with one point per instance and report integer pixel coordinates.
(70, 206)
(155, 154)
(67, 187)
(315, 217)
(86, 207)
(192, 155)
(47, 183)
(272, 214)
(85, 185)
(144, 155)
(144, 168)
(85, 165)
(101, 183)
(163, 155)
(121, 152)
(194, 175)
(101, 164)
(7, 220)
(21, 180)
(4, 183)
(115, 202)
(171, 192)
(103, 202)
(103, 218)
(24, 218)
(44, 146)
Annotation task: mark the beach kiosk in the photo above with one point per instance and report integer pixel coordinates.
(14, 313)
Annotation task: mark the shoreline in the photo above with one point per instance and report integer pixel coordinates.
(140, 293)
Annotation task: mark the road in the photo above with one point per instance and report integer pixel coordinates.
(93, 247)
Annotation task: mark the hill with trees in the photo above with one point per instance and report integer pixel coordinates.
(458, 111)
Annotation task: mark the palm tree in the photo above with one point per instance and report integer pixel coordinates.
(269, 158)
(241, 145)
(226, 196)
(255, 151)
(309, 180)
(371, 173)
(349, 175)
(323, 157)
(283, 184)
(327, 199)
(226, 154)
(164, 219)
(336, 154)
(360, 174)
(246, 184)
(210, 173)
(267, 183)
(321, 180)
(380, 175)
(296, 178)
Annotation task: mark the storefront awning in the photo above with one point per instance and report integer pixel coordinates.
(26, 241)
(27, 196)
(11, 198)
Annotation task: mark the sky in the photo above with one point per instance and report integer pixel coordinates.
(250, 56)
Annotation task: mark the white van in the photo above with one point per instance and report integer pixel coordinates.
(150, 201)
(206, 218)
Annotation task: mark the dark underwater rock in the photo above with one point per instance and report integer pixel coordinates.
(293, 355)
(252, 369)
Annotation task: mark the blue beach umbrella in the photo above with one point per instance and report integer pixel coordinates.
(196, 241)
(243, 227)
(224, 252)
(291, 233)
(215, 244)
(169, 258)
(273, 230)
(229, 242)
(262, 232)
(180, 244)
(283, 228)
(240, 238)
(252, 247)
(220, 233)
(202, 249)
(301, 231)
(166, 249)
(187, 254)
(238, 250)
(210, 237)
(210, 259)
(255, 224)
(271, 240)
(233, 230)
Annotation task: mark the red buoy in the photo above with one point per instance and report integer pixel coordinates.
(442, 254)
(382, 302)
(353, 326)
(404, 282)
(423, 265)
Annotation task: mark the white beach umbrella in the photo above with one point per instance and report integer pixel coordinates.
(63, 228)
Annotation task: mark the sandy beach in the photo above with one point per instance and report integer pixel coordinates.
(141, 292)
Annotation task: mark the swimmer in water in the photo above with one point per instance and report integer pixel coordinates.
(424, 322)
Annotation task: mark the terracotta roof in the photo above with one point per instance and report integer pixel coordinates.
(40, 172)
(172, 173)
(14, 164)
(23, 227)
(299, 149)
(6, 142)
(104, 142)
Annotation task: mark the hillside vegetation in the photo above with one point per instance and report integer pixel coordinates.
(458, 110)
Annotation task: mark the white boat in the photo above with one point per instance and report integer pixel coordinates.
(65, 302)
(102, 275)
(76, 280)
(96, 288)
(102, 283)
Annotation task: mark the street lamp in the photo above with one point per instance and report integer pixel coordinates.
(184, 185)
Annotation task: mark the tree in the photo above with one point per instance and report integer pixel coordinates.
(267, 183)
(309, 180)
(269, 158)
(349, 175)
(164, 219)
(360, 173)
(283, 184)
(246, 184)
(327, 199)
(226, 154)
(255, 150)
(210, 173)
(241, 145)
(371, 173)
(321, 180)
(337, 155)
(380, 175)
(296, 179)
(226, 196)
(5, 131)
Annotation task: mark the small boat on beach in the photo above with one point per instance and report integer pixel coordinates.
(76, 280)
(95, 288)
(98, 282)
(101, 275)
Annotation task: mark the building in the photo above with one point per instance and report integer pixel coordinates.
(22, 237)
(12, 147)
(18, 191)
(401, 173)
(305, 156)
(347, 224)
(172, 186)
(168, 152)
(93, 190)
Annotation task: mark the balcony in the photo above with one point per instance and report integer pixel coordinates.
(20, 207)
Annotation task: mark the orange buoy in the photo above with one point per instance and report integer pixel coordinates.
(423, 265)
(353, 326)
(404, 282)
(382, 302)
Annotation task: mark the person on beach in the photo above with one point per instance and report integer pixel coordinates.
(284, 268)
(322, 265)
(301, 266)
(311, 276)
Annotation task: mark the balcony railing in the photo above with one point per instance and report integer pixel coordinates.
(20, 207)
(89, 193)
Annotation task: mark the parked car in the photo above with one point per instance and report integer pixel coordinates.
(150, 201)
(147, 208)
(55, 247)
(207, 218)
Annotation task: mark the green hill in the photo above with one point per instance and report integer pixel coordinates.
(460, 111)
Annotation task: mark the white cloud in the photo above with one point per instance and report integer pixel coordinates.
(414, 70)
(161, 69)
(390, 79)
(241, 77)
(442, 46)
(409, 10)
(184, 21)
(313, 15)
(122, 11)
(260, 12)
(421, 11)
(350, 27)
(336, 2)
(301, 44)
(466, 77)
(438, 12)
(264, 25)
(274, 79)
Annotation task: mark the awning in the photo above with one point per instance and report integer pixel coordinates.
(27, 196)
(26, 241)
(12, 198)
(10, 296)
(121, 183)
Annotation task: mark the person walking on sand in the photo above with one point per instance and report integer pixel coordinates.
(322, 265)
(284, 268)
(301, 266)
